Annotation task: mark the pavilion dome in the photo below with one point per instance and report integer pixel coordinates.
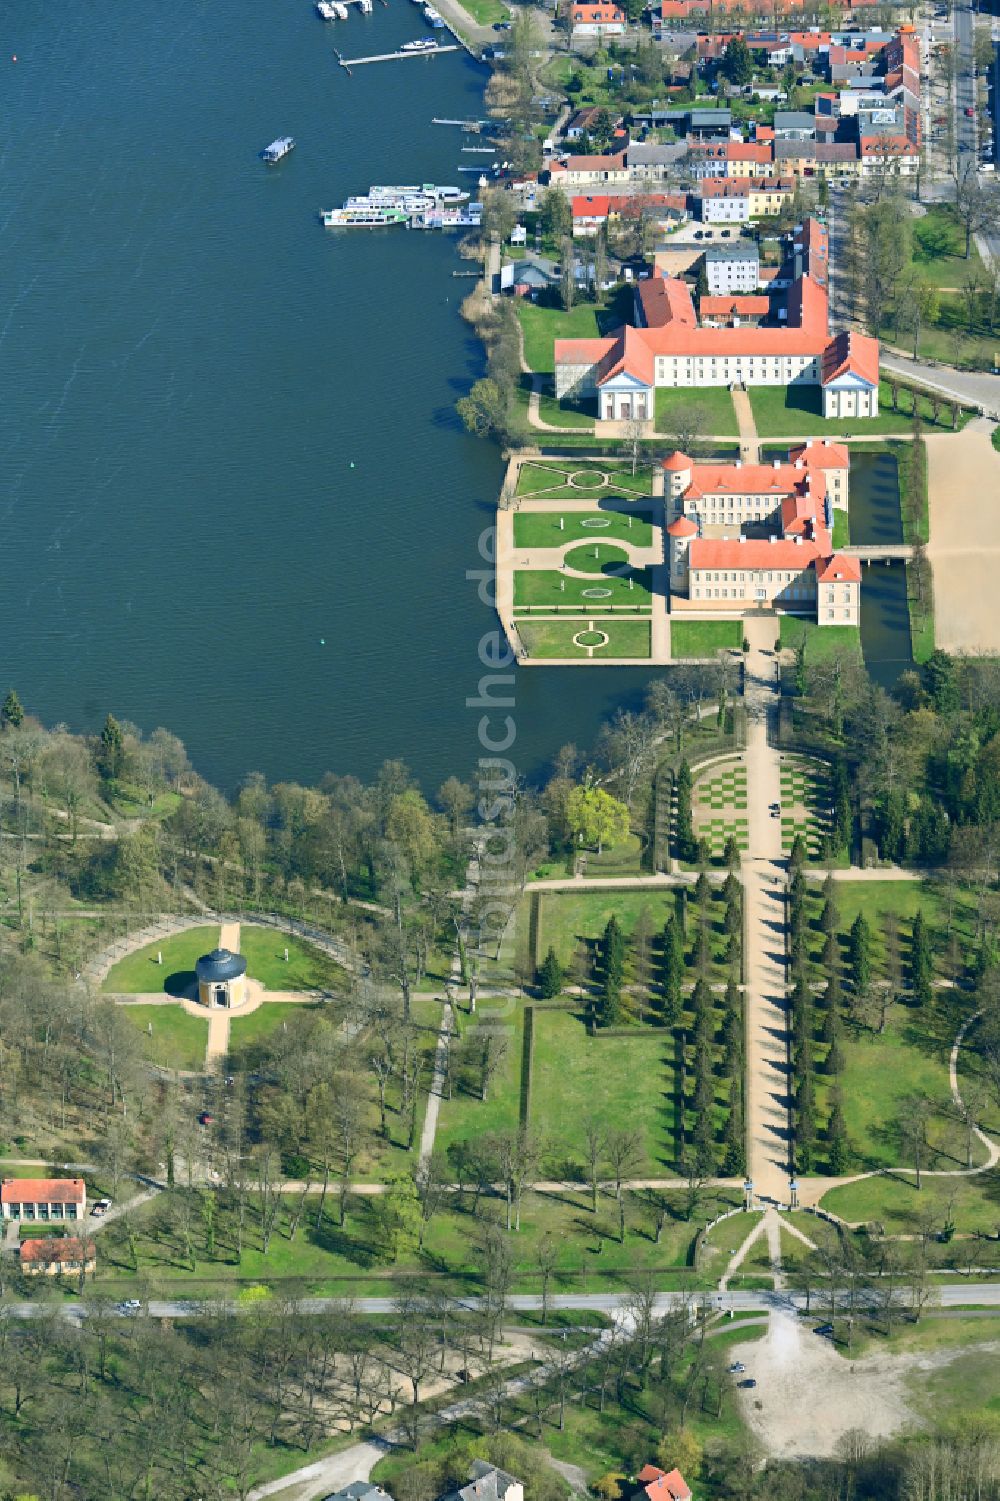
(218, 966)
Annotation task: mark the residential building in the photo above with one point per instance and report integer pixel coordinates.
(735, 200)
(733, 267)
(794, 125)
(528, 277)
(43, 1199)
(733, 312)
(661, 1485)
(751, 536)
(584, 121)
(668, 347)
(56, 1255)
(597, 20)
(487, 1483)
(591, 210)
(359, 1490)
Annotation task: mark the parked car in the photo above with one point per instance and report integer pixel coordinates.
(129, 1305)
(970, 113)
(737, 1367)
(101, 1207)
(826, 1330)
(206, 1118)
(748, 1384)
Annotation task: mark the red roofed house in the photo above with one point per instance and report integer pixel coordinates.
(58, 1254)
(597, 20)
(745, 536)
(43, 1199)
(662, 1485)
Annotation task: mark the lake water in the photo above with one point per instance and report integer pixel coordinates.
(190, 366)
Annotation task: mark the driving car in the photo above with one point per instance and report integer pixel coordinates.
(129, 1305)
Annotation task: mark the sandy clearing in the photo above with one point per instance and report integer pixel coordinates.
(808, 1395)
(964, 550)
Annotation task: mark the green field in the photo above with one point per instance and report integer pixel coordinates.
(554, 638)
(822, 642)
(569, 480)
(555, 528)
(972, 1204)
(245, 1031)
(841, 529)
(308, 967)
(139, 973)
(576, 1076)
(596, 557)
(702, 638)
(713, 403)
(543, 325)
(539, 586)
(938, 253)
(570, 921)
(176, 1039)
(797, 411)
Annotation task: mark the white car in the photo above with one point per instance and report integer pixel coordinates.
(129, 1305)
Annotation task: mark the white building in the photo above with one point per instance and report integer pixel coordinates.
(732, 268)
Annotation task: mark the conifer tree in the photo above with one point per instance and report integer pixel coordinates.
(921, 962)
(12, 714)
(838, 1145)
(550, 976)
(860, 954)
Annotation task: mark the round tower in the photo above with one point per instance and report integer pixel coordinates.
(681, 533)
(677, 476)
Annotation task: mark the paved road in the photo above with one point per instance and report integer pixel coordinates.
(977, 388)
(948, 1295)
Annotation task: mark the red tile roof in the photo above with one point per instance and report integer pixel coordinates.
(42, 1191)
(839, 569)
(660, 1485)
(682, 527)
(610, 163)
(666, 300)
(755, 554)
(676, 461)
(851, 354)
(750, 306)
(770, 480)
(594, 14)
(824, 455)
(630, 355)
(56, 1248)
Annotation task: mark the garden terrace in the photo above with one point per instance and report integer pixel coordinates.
(567, 480)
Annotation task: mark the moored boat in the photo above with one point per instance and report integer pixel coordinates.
(277, 149)
(373, 217)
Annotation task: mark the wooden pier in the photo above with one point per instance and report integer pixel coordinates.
(385, 57)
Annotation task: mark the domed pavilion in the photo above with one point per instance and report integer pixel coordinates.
(222, 979)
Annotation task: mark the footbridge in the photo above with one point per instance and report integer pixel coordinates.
(880, 552)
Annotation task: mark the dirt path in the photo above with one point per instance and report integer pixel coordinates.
(762, 873)
(808, 1396)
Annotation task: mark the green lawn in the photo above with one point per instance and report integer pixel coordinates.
(595, 557)
(170, 1036)
(485, 12)
(939, 248)
(546, 587)
(897, 1203)
(796, 411)
(570, 921)
(555, 528)
(841, 529)
(554, 638)
(139, 973)
(543, 325)
(569, 480)
(244, 1031)
(575, 1076)
(700, 638)
(821, 641)
(308, 968)
(718, 415)
(465, 1115)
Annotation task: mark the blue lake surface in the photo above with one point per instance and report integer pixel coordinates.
(189, 367)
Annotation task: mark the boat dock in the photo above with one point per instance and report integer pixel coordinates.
(386, 57)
